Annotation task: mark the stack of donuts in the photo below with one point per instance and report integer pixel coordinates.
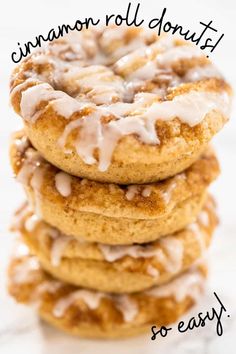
(115, 161)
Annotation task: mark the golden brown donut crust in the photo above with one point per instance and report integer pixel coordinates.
(84, 264)
(180, 145)
(105, 321)
(102, 204)
(180, 152)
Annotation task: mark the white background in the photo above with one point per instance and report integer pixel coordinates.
(20, 331)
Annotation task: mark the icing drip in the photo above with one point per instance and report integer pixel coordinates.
(32, 162)
(126, 306)
(18, 217)
(98, 82)
(172, 260)
(131, 192)
(189, 284)
(177, 53)
(146, 72)
(146, 192)
(203, 217)
(22, 144)
(92, 299)
(136, 189)
(58, 247)
(202, 72)
(112, 253)
(37, 179)
(152, 271)
(27, 271)
(63, 183)
(31, 98)
(167, 195)
(31, 222)
(48, 287)
(31, 173)
(147, 68)
(182, 107)
(20, 250)
(100, 96)
(66, 106)
(93, 134)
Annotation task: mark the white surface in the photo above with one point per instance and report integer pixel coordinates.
(20, 331)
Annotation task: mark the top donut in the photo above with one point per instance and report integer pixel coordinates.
(120, 104)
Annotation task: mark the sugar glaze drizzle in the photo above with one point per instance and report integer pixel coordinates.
(28, 271)
(107, 99)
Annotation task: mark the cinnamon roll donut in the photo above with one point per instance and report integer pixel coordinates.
(108, 213)
(120, 105)
(116, 269)
(94, 314)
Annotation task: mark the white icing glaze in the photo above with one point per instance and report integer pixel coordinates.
(59, 245)
(169, 253)
(134, 190)
(41, 59)
(17, 220)
(124, 50)
(188, 284)
(146, 192)
(112, 34)
(177, 53)
(21, 87)
(152, 271)
(202, 72)
(32, 222)
(173, 247)
(30, 165)
(97, 81)
(48, 286)
(66, 106)
(93, 134)
(203, 217)
(37, 178)
(92, 299)
(63, 183)
(149, 68)
(182, 106)
(33, 95)
(88, 137)
(37, 204)
(21, 144)
(167, 194)
(112, 253)
(131, 192)
(20, 250)
(126, 306)
(96, 87)
(32, 173)
(26, 271)
(146, 72)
